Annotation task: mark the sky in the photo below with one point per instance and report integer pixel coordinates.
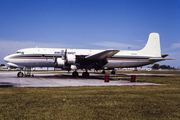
(89, 24)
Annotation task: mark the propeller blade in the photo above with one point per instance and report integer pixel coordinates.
(65, 55)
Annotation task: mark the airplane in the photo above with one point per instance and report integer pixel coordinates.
(74, 59)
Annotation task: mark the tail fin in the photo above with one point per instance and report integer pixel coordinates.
(152, 47)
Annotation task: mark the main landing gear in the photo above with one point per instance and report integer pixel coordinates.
(112, 72)
(84, 74)
(75, 74)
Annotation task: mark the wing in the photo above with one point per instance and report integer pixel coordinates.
(102, 55)
(97, 60)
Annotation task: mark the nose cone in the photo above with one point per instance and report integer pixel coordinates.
(7, 59)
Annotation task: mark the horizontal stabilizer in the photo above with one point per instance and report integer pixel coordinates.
(102, 55)
(160, 59)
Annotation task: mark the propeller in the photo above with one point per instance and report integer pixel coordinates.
(55, 60)
(61, 61)
(65, 55)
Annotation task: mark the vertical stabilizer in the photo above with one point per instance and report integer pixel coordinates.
(152, 47)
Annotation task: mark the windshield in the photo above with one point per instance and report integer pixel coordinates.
(20, 52)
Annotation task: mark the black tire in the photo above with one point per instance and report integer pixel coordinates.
(85, 75)
(20, 74)
(113, 72)
(103, 72)
(75, 74)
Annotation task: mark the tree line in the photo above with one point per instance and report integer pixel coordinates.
(157, 66)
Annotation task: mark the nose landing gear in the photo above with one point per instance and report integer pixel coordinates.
(20, 74)
(26, 73)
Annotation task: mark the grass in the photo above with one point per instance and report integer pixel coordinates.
(108, 102)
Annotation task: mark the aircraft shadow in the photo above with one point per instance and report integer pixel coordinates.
(71, 77)
(7, 84)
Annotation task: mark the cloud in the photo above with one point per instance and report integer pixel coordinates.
(116, 45)
(175, 46)
(139, 41)
(13, 46)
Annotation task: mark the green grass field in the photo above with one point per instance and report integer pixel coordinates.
(108, 102)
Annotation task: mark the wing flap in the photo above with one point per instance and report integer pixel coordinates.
(102, 55)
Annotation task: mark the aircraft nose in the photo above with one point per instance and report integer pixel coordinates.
(6, 58)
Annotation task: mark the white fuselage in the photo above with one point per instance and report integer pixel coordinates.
(44, 57)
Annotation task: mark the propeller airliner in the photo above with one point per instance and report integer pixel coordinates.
(73, 59)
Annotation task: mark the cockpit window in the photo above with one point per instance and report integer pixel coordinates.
(20, 52)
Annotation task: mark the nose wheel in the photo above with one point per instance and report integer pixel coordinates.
(20, 74)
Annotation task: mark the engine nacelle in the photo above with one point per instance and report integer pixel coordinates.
(71, 59)
(60, 62)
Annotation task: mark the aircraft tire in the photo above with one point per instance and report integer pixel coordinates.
(85, 75)
(75, 74)
(20, 74)
(103, 72)
(113, 72)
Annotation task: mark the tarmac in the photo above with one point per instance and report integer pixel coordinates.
(10, 79)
